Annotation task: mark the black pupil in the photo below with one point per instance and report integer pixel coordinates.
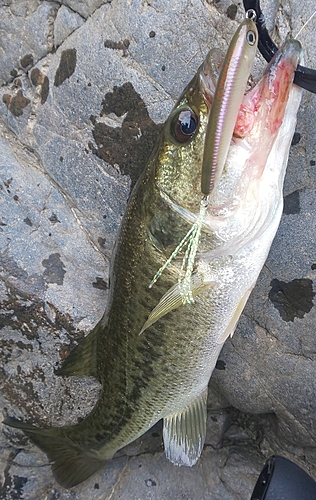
(187, 122)
(251, 37)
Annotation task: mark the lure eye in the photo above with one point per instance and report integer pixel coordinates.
(251, 37)
(184, 125)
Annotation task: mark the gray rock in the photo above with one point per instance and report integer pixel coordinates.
(26, 35)
(77, 127)
(84, 7)
(66, 22)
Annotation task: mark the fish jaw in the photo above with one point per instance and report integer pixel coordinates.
(209, 73)
(259, 121)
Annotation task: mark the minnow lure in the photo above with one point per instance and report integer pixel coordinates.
(228, 97)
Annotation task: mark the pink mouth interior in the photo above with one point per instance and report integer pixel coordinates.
(263, 107)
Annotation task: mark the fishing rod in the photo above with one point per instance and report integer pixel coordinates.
(304, 77)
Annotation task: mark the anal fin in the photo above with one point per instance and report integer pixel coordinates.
(83, 359)
(184, 432)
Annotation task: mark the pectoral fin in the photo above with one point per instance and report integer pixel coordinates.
(234, 320)
(184, 432)
(174, 299)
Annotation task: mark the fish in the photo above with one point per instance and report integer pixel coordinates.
(154, 353)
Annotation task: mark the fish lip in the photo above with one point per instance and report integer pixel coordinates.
(291, 51)
(267, 97)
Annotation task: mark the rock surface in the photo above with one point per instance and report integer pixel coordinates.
(76, 128)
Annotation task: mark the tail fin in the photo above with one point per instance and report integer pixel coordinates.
(71, 465)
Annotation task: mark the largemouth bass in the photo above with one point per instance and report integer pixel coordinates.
(154, 354)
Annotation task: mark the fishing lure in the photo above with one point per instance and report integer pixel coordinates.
(228, 97)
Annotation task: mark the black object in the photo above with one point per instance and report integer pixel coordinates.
(281, 479)
(304, 77)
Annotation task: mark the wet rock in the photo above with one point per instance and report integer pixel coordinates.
(16, 103)
(26, 61)
(39, 79)
(137, 134)
(292, 203)
(292, 299)
(67, 66)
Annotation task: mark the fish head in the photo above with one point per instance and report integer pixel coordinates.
(180, 151)
(258, 150)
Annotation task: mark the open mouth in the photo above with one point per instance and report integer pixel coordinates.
(266, 101)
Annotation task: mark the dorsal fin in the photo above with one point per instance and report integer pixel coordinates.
(83, 359)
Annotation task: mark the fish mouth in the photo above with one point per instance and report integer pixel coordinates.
(273, 86)
(209, 74)
(263, 107)
(266, 101)
(257, 128)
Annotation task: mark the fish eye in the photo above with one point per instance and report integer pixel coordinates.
(184, 125)
(251, 37)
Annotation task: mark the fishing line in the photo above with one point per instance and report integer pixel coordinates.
(305, 24)
(191, 240)
(304, 77)
(189, 257)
